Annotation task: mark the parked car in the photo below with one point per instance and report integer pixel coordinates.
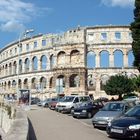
(34, 100)
(127, 126)
(110, 111)
(44, 103)
(54, 101)
(70, 102)
(132, 98)
(87, 109)
(10, 99)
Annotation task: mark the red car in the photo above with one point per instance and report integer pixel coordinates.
(53, 103)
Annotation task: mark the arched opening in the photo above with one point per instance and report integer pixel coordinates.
(118, 58)
(5, 85)
(43, 62)
(91, 59)
(91, 82)
(51, 82)
(74, 57)
(61, 58)
(14, 67)
(104, 59)
(33, 83)
(6, 69)
(14, 84)
(9, 84)
(51, 61)
(34, 63)
(27, 65)
(130, 59)
(43, 82)
(10, 68)
(19, 83)
(74, 80)
(60, 84)
(20, 66)
(26, 84)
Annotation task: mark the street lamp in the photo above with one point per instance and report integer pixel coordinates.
(21, 36)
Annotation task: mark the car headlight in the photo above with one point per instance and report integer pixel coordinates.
(84, 111)
(110, 119)
(109, 124)
(134, 127)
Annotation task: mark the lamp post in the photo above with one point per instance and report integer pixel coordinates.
(21, 36)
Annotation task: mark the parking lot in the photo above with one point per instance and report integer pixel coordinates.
(47, 124)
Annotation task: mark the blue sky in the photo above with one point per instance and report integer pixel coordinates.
(57, 16)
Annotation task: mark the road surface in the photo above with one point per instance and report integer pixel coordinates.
(46, 124)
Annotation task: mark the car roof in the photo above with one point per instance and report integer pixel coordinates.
(118, 101)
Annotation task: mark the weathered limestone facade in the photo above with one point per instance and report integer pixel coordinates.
(61, 64)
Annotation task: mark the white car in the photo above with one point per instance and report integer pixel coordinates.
(70, 102)
(132, 98)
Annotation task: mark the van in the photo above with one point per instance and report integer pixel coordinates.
(71, 102)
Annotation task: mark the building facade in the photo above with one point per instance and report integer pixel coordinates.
(79, 61)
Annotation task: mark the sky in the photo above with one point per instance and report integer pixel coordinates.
(58, 16)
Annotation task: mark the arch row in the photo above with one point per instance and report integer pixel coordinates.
(40, 63)
(42, 83)
(106, 58)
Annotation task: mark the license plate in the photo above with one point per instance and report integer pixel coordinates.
(76, 113)
(117, 131)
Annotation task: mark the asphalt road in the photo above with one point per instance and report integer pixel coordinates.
(46, 124)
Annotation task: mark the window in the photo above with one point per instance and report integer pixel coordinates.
(103, 36)
(117, 35)
(43, 42)
(20, 48)
(76, 100)
(15, 50)
(90, 37)
(27, 47)
(11, 52)
(35, 44)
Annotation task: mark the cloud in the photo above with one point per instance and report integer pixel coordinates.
(15, 13)
(120, 3)
(11, 26)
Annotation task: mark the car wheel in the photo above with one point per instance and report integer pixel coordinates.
(74, 117)
(71, 110)
(46, 105)
(89, 115)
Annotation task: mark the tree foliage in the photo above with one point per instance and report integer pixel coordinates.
(119, 85)
(135, 28)
(136, 82)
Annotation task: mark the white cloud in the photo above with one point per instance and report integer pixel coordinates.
(11, 26)
(15, 13)
(120, 3)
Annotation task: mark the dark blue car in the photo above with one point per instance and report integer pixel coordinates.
(127, 126)
(86, 109)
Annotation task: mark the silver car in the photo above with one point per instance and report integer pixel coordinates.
(110, 111)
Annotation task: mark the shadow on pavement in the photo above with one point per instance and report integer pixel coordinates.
(31, 135)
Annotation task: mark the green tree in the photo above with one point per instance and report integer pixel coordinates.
(135, 28)
(119, 85)
(136, 82)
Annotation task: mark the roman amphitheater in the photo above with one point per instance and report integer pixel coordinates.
(79, 61)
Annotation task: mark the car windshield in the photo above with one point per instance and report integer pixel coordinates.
(68, 99)
(84, 99)
(54, 99)
(134, 112)
(113, 107)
